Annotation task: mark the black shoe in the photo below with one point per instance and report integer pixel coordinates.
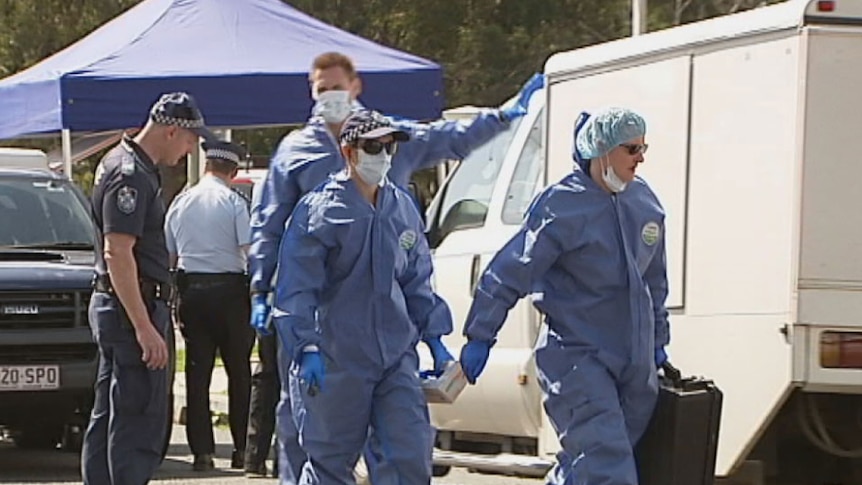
(203, 463)
(237, 460)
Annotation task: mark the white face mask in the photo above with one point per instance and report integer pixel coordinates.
(611, 179)
(372, 169)
(333, 106)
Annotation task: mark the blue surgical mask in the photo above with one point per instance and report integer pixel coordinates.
(372, 169)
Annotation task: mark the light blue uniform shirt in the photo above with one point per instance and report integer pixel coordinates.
(206, 227)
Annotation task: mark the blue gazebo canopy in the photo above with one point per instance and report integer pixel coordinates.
(246, 62)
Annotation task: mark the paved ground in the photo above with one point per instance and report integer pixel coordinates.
(56, 468)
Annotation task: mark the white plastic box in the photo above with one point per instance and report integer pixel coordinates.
(447, 387)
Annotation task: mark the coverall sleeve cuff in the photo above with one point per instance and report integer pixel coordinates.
(300, 348)
(427, 338)
(478, 333)
(662, 339)
(501, 116)
(488, 339)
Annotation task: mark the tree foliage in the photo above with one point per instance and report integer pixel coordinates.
(487, 48)
(33, 30)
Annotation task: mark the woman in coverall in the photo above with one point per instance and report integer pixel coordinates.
(353, 298)
(592, 253)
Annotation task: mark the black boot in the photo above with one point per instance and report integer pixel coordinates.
(237, 460)
(203, 463)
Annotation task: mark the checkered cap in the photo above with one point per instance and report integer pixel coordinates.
(367, 125)
(224, 150)
(180, 109)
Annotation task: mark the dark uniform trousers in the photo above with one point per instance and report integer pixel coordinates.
(215, 310)
(123, 442)
(265, 388)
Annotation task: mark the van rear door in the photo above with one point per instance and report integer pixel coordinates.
(828, 340)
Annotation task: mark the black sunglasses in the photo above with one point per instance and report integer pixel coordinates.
(635, 148)
(373, 147)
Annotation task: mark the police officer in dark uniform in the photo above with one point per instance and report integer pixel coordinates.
(207, 232)
(128, 312)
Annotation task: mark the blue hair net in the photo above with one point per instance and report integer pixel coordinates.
(607, 129)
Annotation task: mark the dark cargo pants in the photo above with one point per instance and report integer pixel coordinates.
(123, 442)
(265, 391)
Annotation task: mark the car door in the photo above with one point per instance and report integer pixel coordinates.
(478, 209)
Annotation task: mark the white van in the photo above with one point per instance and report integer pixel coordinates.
(753, 122)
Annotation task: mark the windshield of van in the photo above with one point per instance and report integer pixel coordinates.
(43, 213)
(469, 189)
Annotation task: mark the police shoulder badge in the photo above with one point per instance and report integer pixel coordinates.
(127, 199)
(650, 233)
(407, 239)
(127, 164)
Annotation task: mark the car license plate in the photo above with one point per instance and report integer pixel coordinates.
(29, 377)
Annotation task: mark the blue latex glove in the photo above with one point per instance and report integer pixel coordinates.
(520, 107)
(260, 314)
(312, 372)
(474, 356)
(441, 356)
(660, 356)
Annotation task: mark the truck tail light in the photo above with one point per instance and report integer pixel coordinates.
(825, 5)
(841, 350)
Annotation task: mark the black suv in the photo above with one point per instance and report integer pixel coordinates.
(48, 360)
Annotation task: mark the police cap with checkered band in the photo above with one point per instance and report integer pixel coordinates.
(368, 125)
(180, 109)
(223, 150)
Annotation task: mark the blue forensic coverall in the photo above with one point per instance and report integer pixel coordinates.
(595, 263)
(303, 160)
(354, 281)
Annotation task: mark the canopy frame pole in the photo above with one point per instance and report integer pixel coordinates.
(66, 136)
(639, 17)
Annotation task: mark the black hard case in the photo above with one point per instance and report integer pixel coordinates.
(679, 446)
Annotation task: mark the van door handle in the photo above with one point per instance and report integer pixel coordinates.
(474, 274)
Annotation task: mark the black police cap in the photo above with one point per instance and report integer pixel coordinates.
(368, 125)
(180, 109)
(223, 150)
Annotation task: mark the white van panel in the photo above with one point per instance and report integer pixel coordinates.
(741, 234)
(660, 92)
(830, 268)
(743, 165)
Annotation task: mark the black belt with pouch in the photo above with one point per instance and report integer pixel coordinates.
(204, 281)
(151, 290)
